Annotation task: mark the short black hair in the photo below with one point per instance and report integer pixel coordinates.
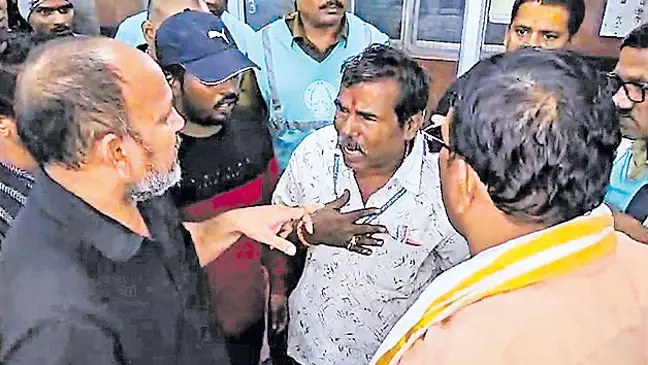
(575, 8)
(637, 38)
(540, 131)
(380, 62)
(15, 48)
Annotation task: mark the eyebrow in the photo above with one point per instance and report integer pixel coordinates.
(52, 8)
(367, 115)
(626, 78)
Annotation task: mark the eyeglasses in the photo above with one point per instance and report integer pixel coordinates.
(427, 132)
(635, 91)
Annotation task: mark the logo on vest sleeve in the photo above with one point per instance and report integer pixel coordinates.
(319, 99)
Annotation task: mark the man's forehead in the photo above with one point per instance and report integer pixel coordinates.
(146, 102)
(52, 3)
(633, 64)
(535, 14)
(371, 96)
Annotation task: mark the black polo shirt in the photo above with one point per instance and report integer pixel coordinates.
(79, 288)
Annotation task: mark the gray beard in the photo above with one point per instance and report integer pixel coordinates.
(156, 184)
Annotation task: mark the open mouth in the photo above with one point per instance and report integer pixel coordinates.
(226, 104)
(225, 107)
(352, 149)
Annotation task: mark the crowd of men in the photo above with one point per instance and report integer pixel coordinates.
(176, 194)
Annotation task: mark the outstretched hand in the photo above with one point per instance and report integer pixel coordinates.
(262, 224)
(266, 224)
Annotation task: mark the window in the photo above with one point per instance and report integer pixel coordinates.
(496, 24)
(258, 13)
(384, 14)
(440, 20)
(495, 33)
(426, 28)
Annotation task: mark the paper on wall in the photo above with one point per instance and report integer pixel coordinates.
(500, 11)
(622, 16)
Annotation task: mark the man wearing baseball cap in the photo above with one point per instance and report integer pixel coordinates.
(49, 19)
(227, 162)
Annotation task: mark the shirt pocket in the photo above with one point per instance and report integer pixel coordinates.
(405, 262)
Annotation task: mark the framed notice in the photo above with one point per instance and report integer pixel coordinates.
(622, 16)
(500, 11)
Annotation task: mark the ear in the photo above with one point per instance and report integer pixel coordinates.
(466, 182)
(148, 31)
(175, 83)
(413, 125)
(8, 127)
(119, 153)
(506, 37)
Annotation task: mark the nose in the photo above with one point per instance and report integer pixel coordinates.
(58, 18)
(177, 122)
(232, 85)
(346, 126)
(535, 40)
(621, 100)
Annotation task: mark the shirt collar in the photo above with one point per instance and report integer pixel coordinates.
(296, 27)
(83, 222)
(409, 172)
(601, 210)
(143, 47)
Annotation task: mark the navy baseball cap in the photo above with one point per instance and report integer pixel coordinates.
(201, 44)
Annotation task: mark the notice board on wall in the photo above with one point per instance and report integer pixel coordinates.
(622, 16)
(500, 11)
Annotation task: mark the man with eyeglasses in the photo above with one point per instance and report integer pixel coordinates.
(627, 193)
(531, 145)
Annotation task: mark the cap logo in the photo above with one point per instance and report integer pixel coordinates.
(216, 34)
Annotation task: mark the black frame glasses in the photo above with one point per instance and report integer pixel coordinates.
(618, 82)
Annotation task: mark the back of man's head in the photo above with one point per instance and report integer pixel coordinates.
(67, 96)
(539, 131)
(160, 10)
(637, 38)
(575, 8)
(379, 62)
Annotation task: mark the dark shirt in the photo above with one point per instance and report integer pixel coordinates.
(234, 156)
(233, 169)
(80, 288)
(638, 206)
(14, 187)
(296, 27)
